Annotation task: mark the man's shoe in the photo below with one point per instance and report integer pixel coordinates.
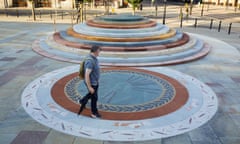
(97, 115)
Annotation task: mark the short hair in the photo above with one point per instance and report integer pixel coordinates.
(94, 48)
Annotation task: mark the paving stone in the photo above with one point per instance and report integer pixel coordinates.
(79, 140)
(230, 140)
(225, 98)
(30, 137)
(204, 142)
(7, 138)
(204, 134)
(18, 120)
(55, 137)
(224, 126)
(236, 119)
(179, 139)
(116, 142)
(158, 141)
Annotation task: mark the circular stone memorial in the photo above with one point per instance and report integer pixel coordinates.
(135, 104)
(126, 40)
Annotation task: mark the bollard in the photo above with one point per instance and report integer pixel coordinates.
(62, 15)
(195, 24)
(219, 26)
(40, 15)
(156, 10)
(54, 25)
(17, 13)
(202, 10)
(6, 11)
(180, 13)
(191, 7)
(187, 11)
(181, 20)
(141, 7)
(211, 23)
(51, 14)
(229, 29)
(72, 17)
(29, 14)
(164, 12)
(85, 13)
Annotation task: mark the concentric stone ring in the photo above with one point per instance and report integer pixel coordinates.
(126, 40)
(38, 101)
(125, 94)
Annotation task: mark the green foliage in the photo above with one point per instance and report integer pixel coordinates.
(84, 1)
(134, 3)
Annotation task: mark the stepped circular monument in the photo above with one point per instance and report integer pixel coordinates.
(136, 104)
(126, 40)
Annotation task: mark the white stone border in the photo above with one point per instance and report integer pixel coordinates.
(201, 107)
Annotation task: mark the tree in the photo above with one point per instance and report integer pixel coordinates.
(33, 10)
(5, 4)
(135, 4)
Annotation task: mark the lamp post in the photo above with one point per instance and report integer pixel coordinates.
(202, 8)
(33, 9)
(85, 11)
(81, 10)
(191, 6)
(106, 4)
(164, 12)
(156, 8)
(55, 17)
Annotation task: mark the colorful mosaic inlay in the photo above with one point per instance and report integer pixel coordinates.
(45, 100)
(125, 91)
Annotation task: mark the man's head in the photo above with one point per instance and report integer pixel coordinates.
(95, 50)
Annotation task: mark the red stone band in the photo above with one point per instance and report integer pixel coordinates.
(180, 98)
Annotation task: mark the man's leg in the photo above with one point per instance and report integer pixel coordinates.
(83, 102)
(94, 104)
(94, 99)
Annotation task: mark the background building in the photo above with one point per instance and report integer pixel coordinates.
(72, 3)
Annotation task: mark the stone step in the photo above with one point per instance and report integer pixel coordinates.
(158, 27)
(122, 33)
(169, 34)
(198, 50)
(181, 47)
(116, 44)
(122, 26)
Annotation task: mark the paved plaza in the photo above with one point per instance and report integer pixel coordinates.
(21, 67)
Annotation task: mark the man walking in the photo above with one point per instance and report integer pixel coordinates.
(91, 79)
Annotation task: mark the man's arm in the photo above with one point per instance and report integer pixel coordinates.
(87, 79)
